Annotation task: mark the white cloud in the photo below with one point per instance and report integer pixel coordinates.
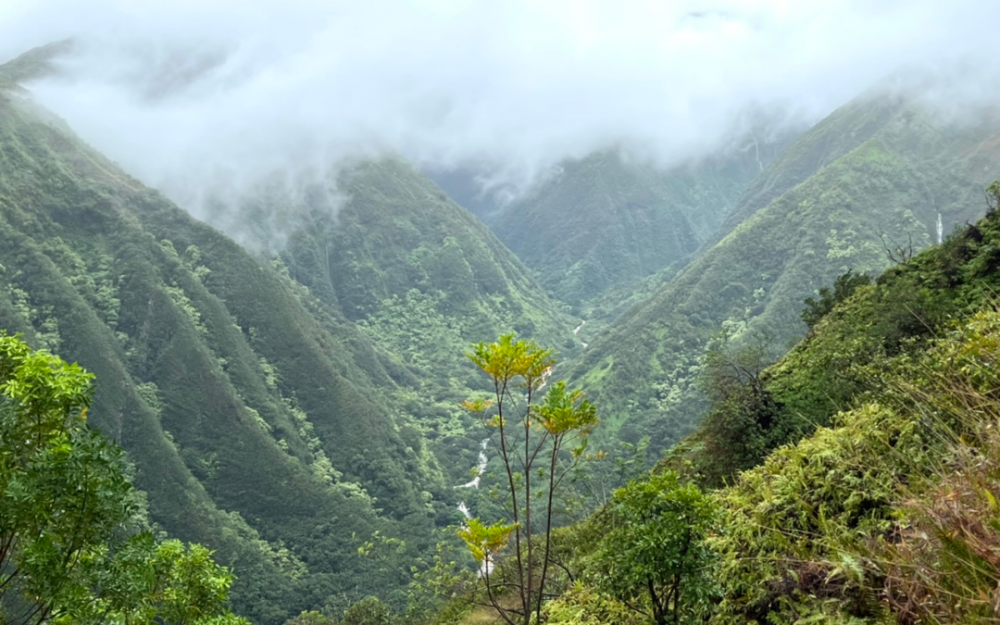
(181, 89)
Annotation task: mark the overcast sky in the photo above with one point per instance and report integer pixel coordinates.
(188, 87)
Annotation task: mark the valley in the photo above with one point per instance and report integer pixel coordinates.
(404, 389)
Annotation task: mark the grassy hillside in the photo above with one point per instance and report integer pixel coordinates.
(604, 221)
(869, 517)
(872, 168)
(262, 422)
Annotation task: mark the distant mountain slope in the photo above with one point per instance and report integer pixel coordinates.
(605, 221)
(830, 139)
(420, 275)
(398, 232)
(262, 422)
(873, 166)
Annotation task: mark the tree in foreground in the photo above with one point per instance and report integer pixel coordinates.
(542, 440)
(654, 558)
(827, 298)
(738, 429)
(70, 545)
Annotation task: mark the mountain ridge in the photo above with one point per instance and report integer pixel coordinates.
(754, 277)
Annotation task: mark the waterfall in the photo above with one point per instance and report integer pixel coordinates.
(756, 150)
(480, 467)
(576, 331)
(474, 483)
(940, 230)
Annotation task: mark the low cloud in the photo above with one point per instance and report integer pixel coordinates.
(186, 93)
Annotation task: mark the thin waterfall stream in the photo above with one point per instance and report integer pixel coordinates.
(576, 331)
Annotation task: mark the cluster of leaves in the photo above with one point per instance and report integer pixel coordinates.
(533, 438)
(827, 298)
(368, 611)
(654, 558)
(71, 545)
(583, 605)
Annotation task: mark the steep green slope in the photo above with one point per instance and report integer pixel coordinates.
(873, 497)
(604, 221)
(833, 137)
(877, 512)
(260, 419)
(421, 276)
(893, 180)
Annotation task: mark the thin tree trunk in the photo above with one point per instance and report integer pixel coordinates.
(527, 508)
(658, 616)
(548, 526)
(500, 393)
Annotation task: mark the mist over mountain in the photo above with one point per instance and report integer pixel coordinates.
(198, 94)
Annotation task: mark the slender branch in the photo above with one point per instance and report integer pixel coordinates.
(657, 608)
(569, 573)
(489, 592)
(526, 419)
(7, 581)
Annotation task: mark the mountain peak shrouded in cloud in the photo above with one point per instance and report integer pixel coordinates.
(34, 64)
(186, 90)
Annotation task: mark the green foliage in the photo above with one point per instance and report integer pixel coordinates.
(62, 488)
(438, 594)
(528, 432)
(485, 541)
(653, 557)
(582, 605)
(791, 523)
(735, 433)
(164, 583)
(843, 287)
(368, 611)
(69, 550)
(563, 412)
(311, 617)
